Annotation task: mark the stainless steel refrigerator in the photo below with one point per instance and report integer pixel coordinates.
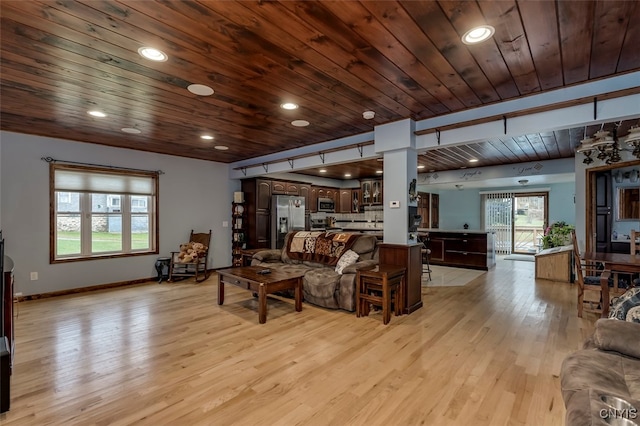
(287, 214)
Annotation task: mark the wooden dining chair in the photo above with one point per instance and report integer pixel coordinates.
(635, 244)
(634, 280)
(587, 278)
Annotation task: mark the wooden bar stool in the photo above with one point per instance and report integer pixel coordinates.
(378, 287)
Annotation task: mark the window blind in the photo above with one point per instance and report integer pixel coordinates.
(94, 180)
(498, 216)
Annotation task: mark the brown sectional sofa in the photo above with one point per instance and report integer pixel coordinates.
(608, 364)
(321, 284)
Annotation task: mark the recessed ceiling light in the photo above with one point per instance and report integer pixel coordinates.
(347, 175)
(289, 105)
(131, 130)
(421, 166)
(323, 170)
(207, 137)
(478, 34)
(200, 89)
(473, 160)
(300, 123)
(153, 54)
(379, 172)
(98, 114)
(221, 147)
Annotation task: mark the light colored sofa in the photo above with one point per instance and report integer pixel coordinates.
(321, 284)
(608, 364)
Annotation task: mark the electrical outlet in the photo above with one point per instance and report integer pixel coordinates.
(34, 276)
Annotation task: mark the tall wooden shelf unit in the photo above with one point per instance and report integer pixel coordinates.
(239, 232)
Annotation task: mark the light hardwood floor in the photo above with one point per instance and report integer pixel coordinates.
(488, 353)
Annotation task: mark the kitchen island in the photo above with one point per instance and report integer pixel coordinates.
(461, 248)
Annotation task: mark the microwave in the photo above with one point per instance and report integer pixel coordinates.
(326, 205)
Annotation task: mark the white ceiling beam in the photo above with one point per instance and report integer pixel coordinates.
(314, 160)
(567, 94)
(306, 150)
(623, 108)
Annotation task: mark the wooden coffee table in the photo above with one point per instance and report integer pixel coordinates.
(247, 277)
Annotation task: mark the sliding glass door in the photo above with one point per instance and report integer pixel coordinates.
(517, 219)
(530, 220)
(498, 217)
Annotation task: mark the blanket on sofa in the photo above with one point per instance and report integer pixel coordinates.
(319, 247)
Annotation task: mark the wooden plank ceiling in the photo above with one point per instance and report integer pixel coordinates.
(60, 59)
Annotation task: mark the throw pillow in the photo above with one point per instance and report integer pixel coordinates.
(348, 258)
(621, 306)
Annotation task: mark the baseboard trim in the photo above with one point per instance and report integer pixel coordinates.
(86, 289)
(149, 280)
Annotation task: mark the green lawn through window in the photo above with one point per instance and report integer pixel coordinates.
(69, 242)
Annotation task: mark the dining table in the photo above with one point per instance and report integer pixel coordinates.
(613, 263)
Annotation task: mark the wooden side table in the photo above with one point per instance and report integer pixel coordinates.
(377, 287)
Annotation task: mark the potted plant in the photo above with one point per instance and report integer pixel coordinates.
(557, 234)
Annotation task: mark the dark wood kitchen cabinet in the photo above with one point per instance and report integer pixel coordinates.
(356, 200)
(345, 201)
(262, 193)
(321, 192)
(313, 199)
(474, 250)
(284, 188)
(332, 194)
(429, 209)
(305, 191)
(257, 197)
(435, 211)
(371, 191)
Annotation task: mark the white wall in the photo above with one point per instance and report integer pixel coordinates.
(193, 194)
(562, 205)
(460, 207)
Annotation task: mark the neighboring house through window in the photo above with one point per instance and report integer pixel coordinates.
(102, 212)
(64, 198)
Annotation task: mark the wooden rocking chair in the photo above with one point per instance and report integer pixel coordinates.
(197, 268)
